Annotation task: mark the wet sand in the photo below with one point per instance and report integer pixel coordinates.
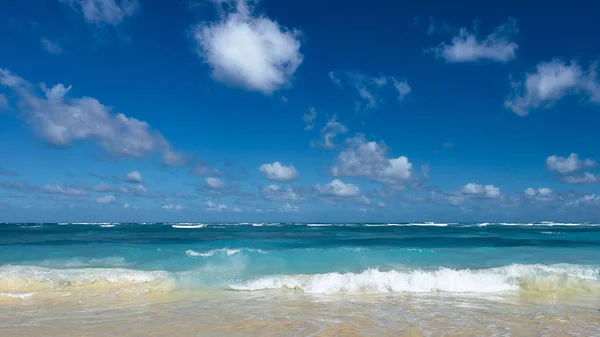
(228, 313)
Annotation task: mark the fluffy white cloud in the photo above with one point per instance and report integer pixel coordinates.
(337, 188)
(466, 47)
(567, 165)
(248, 51)
(171, 207)
(134, 190)
(289, 208)
(102, 188)
(369, 159)
(309, 119)
(586, 200)
(552, 81)
(51, 47)
(585, 178)
(110, 12)
(215, 183)
(329, 132)
(277, 171)
(214, 207)
(134, 177)
(368, 87)
(540, 194)
(488, 191)
(276, 193)
(60, 120)
(107, 199)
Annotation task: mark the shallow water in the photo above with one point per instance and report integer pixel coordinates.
(300, 279)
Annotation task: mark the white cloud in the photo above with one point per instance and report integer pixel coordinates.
(51, 47)
(466, 47)
(309, 119)
(586, 200)
(60, 120)
(277, 171)
(214, 207)
(134, 190)
(332, 129)
(248, 51)
(289, 208)
(276, 193)
(110, 12)
(102, 187)
(488, 191)
(585, 178)
(126, 206)
(369, 159)
(540, 194)
(107, 199)
(551, 82)
(335, 79)
(56, 189)
(567, 165)
(337, 188)
(368, 87)
(171, 207)
(134, 177)
(215, 183)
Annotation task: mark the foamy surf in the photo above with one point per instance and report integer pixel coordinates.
(16, 280)
(536, 278)
(221, 251)
(190, 226)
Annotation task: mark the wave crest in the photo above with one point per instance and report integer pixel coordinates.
(537, 278)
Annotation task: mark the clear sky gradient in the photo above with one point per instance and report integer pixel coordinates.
(138, 110)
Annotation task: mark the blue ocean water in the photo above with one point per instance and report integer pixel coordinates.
(311, 258)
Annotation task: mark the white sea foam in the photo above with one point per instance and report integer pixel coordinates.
(189, 226)
(510, 278)
(27, 279)
(258, 224)
(18, 295)
(222, 252)
(319, 225)
(107, 226)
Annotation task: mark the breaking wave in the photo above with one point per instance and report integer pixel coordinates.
(222, 252)
(533, 278)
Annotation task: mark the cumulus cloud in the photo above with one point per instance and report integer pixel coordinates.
(570, 164)
(585, 178)
(134, 177)
(277, 171)
(214, 207)
(586, 200)
(171, 207)
(540, 194)
(488, 191)
(51, 47)
(247, 50)
(103, 188)
(369, 87)
(110, 12)
(214, 183)
(550, 83)
(107, 199)
(309, 119)
(289, 208)
(369, 159)
(137, 190)
(60, 120)
(277, 193)
(337, 188)
(498, 46)
(329, 132)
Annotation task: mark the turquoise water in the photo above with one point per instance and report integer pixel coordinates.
(310, 258)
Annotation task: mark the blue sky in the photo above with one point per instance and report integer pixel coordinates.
(136, 110)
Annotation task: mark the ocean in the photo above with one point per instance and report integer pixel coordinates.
(298, 279)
